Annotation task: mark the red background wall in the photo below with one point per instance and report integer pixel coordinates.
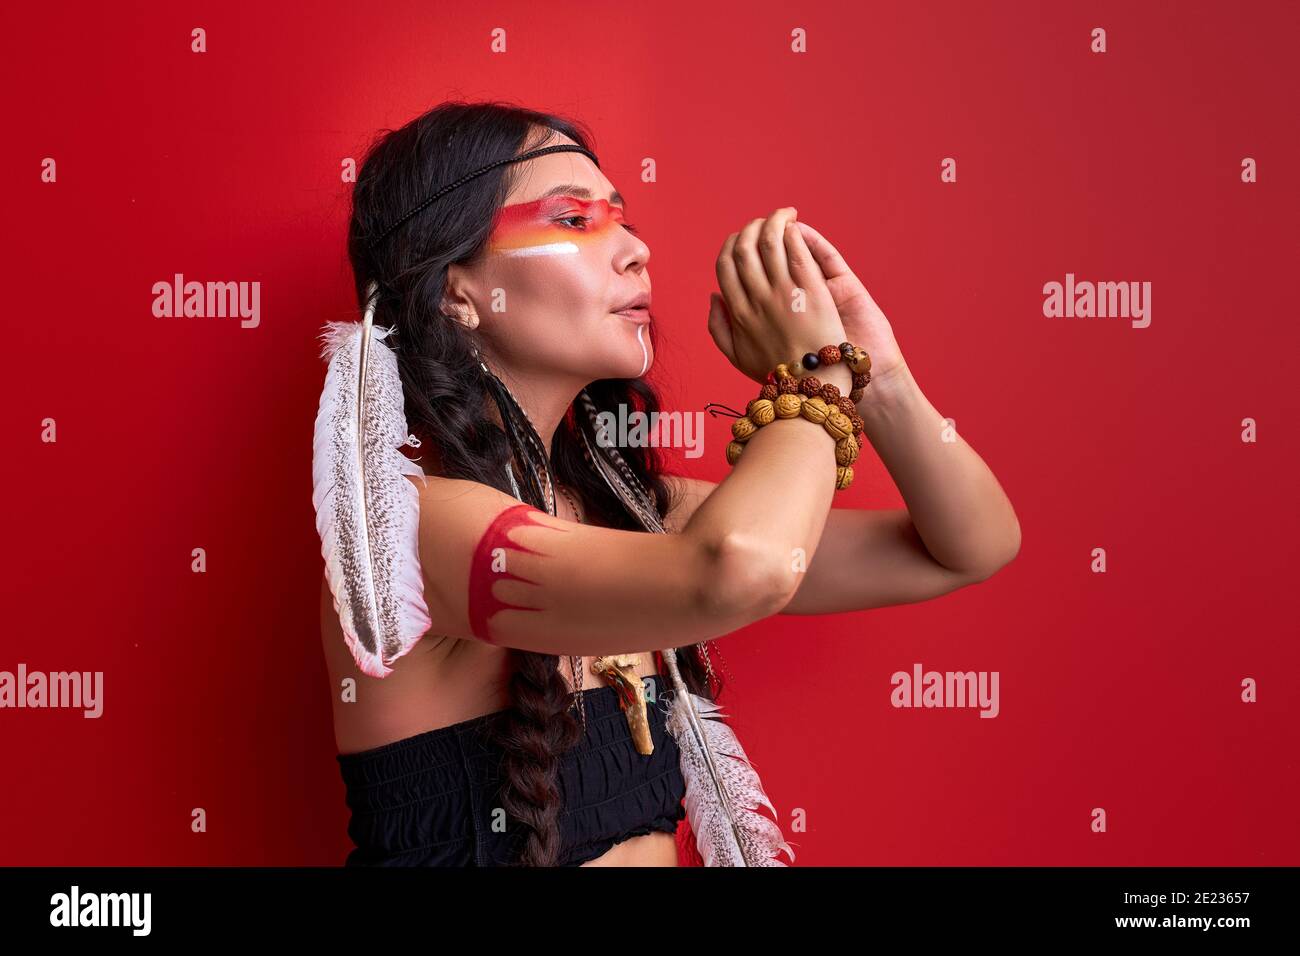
(1119, 690)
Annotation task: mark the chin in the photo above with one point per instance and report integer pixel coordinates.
(625, 367)
(620, 357)
(636, 365)
(639, 356)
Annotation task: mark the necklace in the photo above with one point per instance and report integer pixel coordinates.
(620, 671)
(577, 513)
(575, 663)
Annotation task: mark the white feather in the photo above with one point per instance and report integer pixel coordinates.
(723, 792)
(367, 512)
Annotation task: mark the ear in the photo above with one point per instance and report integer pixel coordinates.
(456, 301)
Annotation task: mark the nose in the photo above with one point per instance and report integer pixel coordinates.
(633, 253)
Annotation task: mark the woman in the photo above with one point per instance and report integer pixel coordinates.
(518, 296)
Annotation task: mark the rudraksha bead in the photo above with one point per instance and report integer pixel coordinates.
(810, 385)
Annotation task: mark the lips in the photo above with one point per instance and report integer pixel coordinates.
(636, 309)
(639, 301)
(640, 316)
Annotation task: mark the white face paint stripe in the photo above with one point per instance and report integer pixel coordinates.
(549, 249)
(645, 355)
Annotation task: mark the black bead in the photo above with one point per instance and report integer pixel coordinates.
(811, 361)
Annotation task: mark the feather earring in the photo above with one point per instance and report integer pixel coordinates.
(615, 471)
(367, 511)
(524, 439)
(723, 791)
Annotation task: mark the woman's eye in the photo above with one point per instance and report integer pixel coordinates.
(587, 219)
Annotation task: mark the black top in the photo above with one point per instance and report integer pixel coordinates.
(430, 800)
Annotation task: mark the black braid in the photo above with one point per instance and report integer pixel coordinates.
(628, 475)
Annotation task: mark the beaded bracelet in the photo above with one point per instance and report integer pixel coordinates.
(857, 359)
(786, 396)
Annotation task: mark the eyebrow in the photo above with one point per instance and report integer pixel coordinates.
(582, 192)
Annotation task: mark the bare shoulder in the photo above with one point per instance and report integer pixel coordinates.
(437, 488)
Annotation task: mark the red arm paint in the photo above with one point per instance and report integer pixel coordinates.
(482, 603)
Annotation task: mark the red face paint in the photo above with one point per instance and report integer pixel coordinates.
(561, 223)
(482, 603)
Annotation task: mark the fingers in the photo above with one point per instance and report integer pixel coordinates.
(755, 261)
(729, 281)
(827, 256)
(771, 247)
(749, 265)
(803, 267)
(760, 254)
(720, 327)
(833, 266)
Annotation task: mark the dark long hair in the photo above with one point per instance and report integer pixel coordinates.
(448, 394)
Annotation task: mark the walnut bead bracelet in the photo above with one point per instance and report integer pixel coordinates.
(786, 396)
(762, 411)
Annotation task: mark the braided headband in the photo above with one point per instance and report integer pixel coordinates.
(542, 151)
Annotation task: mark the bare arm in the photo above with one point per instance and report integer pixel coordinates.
(956, 504)
(506, 573)
(870, 558)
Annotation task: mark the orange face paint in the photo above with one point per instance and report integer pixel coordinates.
(556, 225)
